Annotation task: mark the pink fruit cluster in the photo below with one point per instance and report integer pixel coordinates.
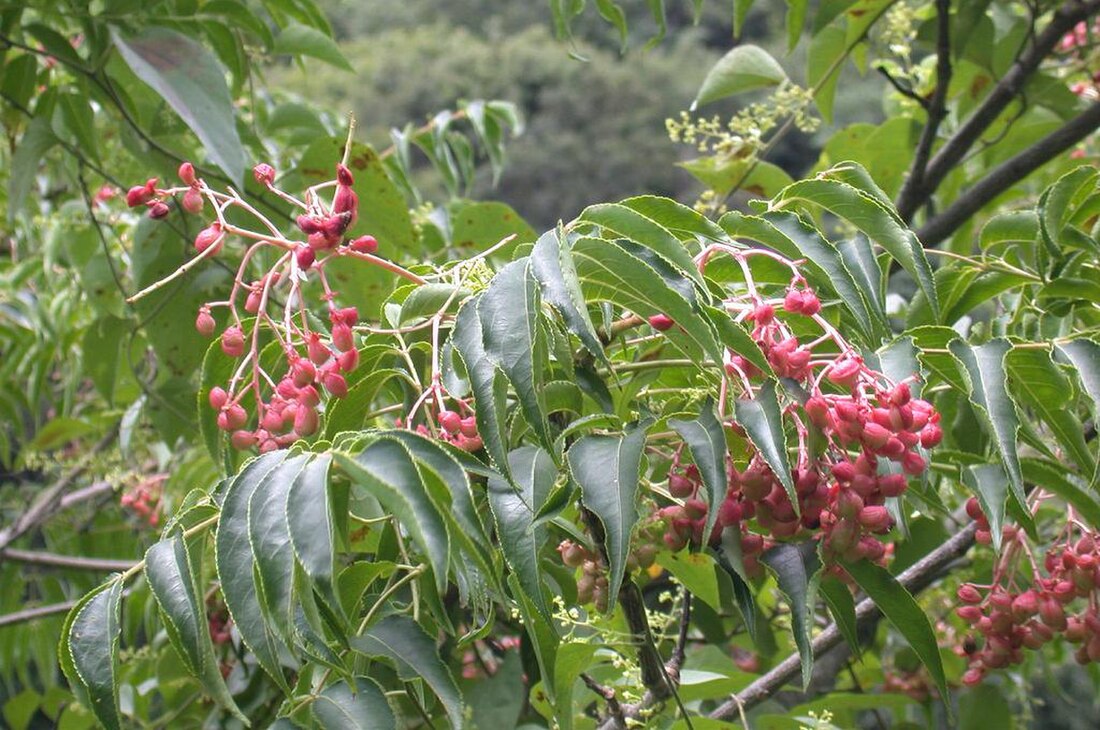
(592, 586)
(1012, 614)
(256, 408)
(144, 499)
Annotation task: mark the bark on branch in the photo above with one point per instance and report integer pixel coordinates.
(915, 579)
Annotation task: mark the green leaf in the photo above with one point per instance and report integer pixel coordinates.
(741, 10)
(387, 471)
(173, 585)
(983, 366)
(743, 68)
(733, 335)
(552, 264)
(878, 222)
(190, 79)
(613, 13)
(762, 420)
(1040, 385)
(1056, 204)
(796, 19)
(1084, 356)
(794, 567)
(990, 485)
(696, 572)
(338, 707)
(1007, 228)
(509, 314)
(676, 217)
(497, 701)
(477, 225)
(572, 658)
(301, 40)
(609, 271)
(514, 510)
(33, 145)
(899, 607)
(706, 439)
(608, 469)
(486, 380)
(843, 609)
(89, 651)
(235, 561)
(724, 174)
(1054, 477)
(619, 219)
(413, 652)
(310, 527)
(822, 71)
(270, 542)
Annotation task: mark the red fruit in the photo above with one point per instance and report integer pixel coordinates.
(844, 471)
(187, 173)
(347, 315)
(192, 201)
(235, 416)
(847, 411)
(931, 435)
(233, 341)
(205, 323)
(317, 351)
(1051, 614)
(793, 301)
(218, 398)
(342, 337)
(730, 512)
(845, 372)
(309, 396)
(970, 614)
(810, 303)
(334, 226)
(967, 593)
(346, 202)
(1025, 605)
(468, 427)
(817, 409)
(305, 421)
(255, 298)
(210, 236)
(263, 173)
(303, 373)
(334, 383)
(572, 554)
(849, 504)
(159, 210)
(696, 509)
(900, 395)
(343, 175)
(680, 486)
(876, 519)
(349, 360)
(913, 463)
(892, 485)
(305, 256)
(972, 677)
(242, 440)
(450, 421)
(140, 194)
(763, 314)
(308, 224)
(364, 244)
(875, 436)
(974, 510)
(661, 322)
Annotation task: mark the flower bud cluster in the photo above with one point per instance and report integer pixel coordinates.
(1009, 616)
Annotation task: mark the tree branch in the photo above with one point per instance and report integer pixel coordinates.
(48, 500)
(1007, 174)
(915, 579)
(936, 108)
(30, 614)
(54, 560)
(1007, 89)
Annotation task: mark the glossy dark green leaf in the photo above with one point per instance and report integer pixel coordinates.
(509, 311)
(989, 484)
(1009, 228)
(413, 652)
(609, 272)
(842, 607)
(189, 78)
(310, 526)
(338, 707)
(984, 369)
(486, 380)
(552, 264)
(762, 419)
(301, 40)
(744, 68)
(901, 610)
(573, 658)
(236, 560)
(1055, 478)
(794, 567)
(706, 439)
(1040, 385)
(173, 585)
(1084, 356)
(608, 469)
(89, 650)
(269, 536)
(628, 223)
(877, 221)
(388, 472)
(682, 220)
(514, 510)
